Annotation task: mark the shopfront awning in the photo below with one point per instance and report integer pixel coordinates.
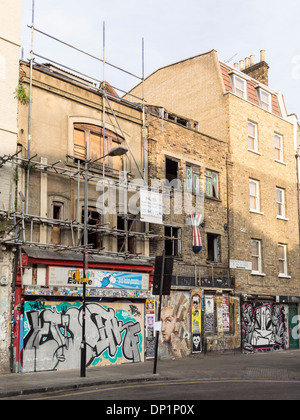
(48, 257)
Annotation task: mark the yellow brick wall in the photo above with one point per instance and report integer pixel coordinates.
(270, 174)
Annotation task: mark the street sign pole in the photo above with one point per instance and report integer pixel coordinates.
(85, 265)
(159, 310)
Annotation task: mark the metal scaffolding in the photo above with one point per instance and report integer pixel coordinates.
(21, 222)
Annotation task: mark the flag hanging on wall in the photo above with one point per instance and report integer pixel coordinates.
(197, 243)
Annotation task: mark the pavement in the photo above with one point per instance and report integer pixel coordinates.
(283, 366)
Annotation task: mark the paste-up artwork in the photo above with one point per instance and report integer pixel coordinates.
(196, 323)
(209, 316)
(226, 321)
(150, 335)
(175, 326)
(53, 334)
(262, 327)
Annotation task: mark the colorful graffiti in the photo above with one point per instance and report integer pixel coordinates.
(175, 330)
(53, 331)
(262, 327)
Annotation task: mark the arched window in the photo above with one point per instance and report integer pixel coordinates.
(88, 144)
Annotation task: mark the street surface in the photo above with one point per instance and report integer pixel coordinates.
(193, 390)
(262, 376)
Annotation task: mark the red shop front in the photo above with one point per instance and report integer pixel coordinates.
(48, 315)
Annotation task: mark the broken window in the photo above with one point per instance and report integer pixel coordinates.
(171, 169)
(213, 247)
(57, 214)
(126, 243)
(172, 241)
(93, 220)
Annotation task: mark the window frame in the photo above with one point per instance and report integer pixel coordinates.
(244, 92)
(266, 105)
(280, 149)
(255, 138)
(256, 196)
(195, 174)
(216, 238)
(111, 138)
(176, 243)
(281, 203)
(284, 260)
(258, 256)
(211, 189)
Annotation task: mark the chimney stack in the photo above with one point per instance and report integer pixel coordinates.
(258, 71)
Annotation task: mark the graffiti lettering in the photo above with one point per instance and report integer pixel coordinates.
(53, 337)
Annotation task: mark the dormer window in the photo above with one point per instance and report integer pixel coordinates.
(265, 100)
(240, 86)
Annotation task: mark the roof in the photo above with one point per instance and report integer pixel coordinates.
(251, 87)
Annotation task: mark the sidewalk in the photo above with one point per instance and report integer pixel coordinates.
(272, 365)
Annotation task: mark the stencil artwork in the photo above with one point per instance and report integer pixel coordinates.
(262, 327)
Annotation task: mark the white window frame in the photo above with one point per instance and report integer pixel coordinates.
(258, 256)
(256, 196)
(241, 93)
(266, 105)
(280, 204)
(285, 268)
(254, 138)
(280, 149)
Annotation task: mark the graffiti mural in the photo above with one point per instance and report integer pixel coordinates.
(175, 337)
(53, 333)
(263, 327)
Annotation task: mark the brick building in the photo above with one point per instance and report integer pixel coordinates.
(181, 155)
(236, 106)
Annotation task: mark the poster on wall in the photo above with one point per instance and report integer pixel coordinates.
(226, 324)
(150, 332)
(209, 315)
(196, 324)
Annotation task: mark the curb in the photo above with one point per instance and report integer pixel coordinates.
(69, 386)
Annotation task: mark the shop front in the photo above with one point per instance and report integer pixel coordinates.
(48, 310)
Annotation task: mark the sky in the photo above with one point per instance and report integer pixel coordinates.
(172, 30)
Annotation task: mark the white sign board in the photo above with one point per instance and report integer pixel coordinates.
(151, 207)
(240, 265)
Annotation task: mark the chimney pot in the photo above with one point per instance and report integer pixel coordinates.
(241, 65)
(262, 55)
(251, 60)
(236, 65)
(247, 62)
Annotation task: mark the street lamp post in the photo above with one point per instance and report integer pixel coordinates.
(115, 151)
